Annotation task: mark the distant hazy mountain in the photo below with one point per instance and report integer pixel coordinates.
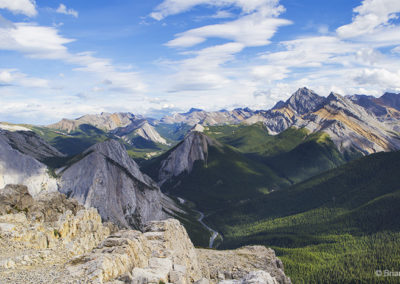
(198, 116)
(141, 128)
(103, 121)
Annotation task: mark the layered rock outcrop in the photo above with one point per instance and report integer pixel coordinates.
(52, 239)
(165, 254)
(39, 235)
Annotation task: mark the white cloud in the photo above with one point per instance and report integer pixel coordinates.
(173, 7)
(250, 30)
(222, 14)
(371, 16)
(207, 68)
(379, 77)
(46, 43)
(125, 81)
(311, 52)
(62, 9)
(10, 77)
(5, 77)
(269, 73)
(204, 71)
(396, 49)
(36, 41)
(26, 7)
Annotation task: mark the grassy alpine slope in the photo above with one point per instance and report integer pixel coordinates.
(294, 154)
(249, 164)
(87, 135)
(338, 227)
(226, 178)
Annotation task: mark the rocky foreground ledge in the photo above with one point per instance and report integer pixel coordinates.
(52, 239)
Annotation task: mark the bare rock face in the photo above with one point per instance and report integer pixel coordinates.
(304, 101)
(31, 144)
(116, 256)
(106, 178)
(170, 239)
(18, 165)
(41, 234)
(181, 159)
(240, 264)
(148, 132)
(351, 126)
(253, 278)
(163, 253)
(140, 128)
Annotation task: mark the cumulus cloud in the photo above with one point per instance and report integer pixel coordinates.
(62, 9)
(371, 15)
(380, 77)
(26, 7)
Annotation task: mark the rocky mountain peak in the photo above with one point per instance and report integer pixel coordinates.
(182, 158)
(304, 101)
(391, 100)
(192, 110)
(339, 102)
(279, 104)
(335, 97)
(140, 128)
(107, 179)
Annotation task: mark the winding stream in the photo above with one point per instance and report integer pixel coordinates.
(200, 219)
(214, 233)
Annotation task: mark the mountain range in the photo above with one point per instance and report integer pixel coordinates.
(309, 165)
(355, 123)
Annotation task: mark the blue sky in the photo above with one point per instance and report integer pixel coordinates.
(72, 57)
